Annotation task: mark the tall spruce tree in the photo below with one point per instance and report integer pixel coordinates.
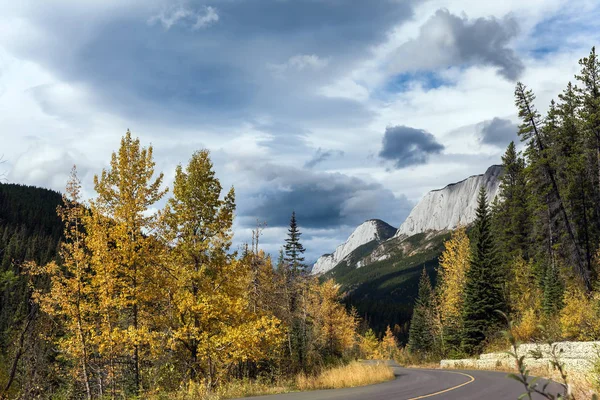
(420, 336)
(295, 293)
(484, 294)
(511, 216)
(293, 248)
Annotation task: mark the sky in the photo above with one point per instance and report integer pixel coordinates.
(342, 110)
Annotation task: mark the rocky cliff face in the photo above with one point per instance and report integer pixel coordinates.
(444, 209)
(368, 231)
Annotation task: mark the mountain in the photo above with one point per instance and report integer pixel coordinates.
(373, 230)
(380, 277)
(443, 209)
(384, 288)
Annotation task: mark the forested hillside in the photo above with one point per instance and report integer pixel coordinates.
(383, 292)
(30, 230)
(533, 253)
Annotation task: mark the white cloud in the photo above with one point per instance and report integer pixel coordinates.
(300, 62)
(187, 16)
(49, 122)
(206, 19)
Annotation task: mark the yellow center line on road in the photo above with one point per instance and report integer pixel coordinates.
(449, 389)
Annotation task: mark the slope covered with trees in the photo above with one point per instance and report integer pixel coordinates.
(30, 229)
(534, 252)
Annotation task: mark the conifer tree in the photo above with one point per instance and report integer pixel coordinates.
(552, 300)
(571, 156)
(535, 133)
(483, 295)
(511, 215)
(590, 112)
(296, 291)
(293, 248)
(420, 336)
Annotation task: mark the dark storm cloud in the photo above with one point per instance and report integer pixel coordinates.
(408, 146)
(449, 40)
(498, 132)
(139, 68)
(322, 155)
(321, 200)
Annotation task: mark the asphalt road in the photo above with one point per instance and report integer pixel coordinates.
(413, 384)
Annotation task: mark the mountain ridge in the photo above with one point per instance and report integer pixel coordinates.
(438, 211)
(444, 209)
(372, 230)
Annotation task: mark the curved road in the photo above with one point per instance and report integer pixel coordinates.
(416, 384)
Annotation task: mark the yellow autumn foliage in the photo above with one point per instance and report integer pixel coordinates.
(580, 317)
(147, 301)
(524, 297)
(389, 345)
(454, 263)
(334, 329)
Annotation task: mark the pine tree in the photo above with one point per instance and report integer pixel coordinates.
(294, 249)
(420, 336)
(590, 112)
(295, 294)
(552, 300)
(571, 157)
(535, 133)
(483, 295)
(511, 215)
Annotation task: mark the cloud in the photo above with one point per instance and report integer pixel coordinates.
(322, 155)
(497, 132)
(321, 200)
(300, 62)
(408, 146)
(180, 14)
(48, 166)
(448, 40)
(217, 78)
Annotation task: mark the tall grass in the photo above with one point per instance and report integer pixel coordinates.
(351, 375)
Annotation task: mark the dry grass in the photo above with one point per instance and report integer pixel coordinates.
(351, 375)
(230, 390)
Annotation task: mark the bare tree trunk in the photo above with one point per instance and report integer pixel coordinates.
(84, 363)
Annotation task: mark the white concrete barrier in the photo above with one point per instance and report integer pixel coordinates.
(575, 356)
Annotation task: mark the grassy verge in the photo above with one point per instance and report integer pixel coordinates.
(351, 375)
